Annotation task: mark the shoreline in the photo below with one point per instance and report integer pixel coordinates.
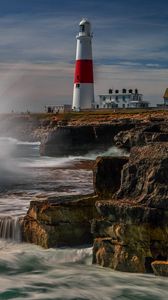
(125, 237)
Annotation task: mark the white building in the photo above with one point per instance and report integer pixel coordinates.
(122, 99)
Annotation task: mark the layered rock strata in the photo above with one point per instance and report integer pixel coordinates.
(59, 221)
(132, 230)
(143, 134)
(107, 175)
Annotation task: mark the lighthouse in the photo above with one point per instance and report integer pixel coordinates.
(83, 92)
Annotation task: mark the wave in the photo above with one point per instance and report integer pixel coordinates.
(112, 151)
(57, 162)
(47, 162)
(28, 143)
(18, 142)
(10, 169)
(66, 274)
(16, 157)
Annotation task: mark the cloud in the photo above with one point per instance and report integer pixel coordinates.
(28, 86)
(41, 38)
(151, 82)
(52, 38)
(37, 55)
(152, 65)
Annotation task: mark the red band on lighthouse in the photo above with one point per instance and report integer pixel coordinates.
(84, 71)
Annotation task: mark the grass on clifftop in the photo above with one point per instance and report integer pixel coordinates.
(94, 116)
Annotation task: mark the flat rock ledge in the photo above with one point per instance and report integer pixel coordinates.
(160, 268)
(59, 221)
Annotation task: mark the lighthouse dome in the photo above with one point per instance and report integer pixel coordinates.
(84, 21)
(84, 27)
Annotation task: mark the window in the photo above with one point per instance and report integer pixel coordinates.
(77, 85)
(82, 28)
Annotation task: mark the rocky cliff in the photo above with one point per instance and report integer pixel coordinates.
(142, 134)
(132, 230)
(129, 211)
(127, 217)
(79, 140)
(78, 133)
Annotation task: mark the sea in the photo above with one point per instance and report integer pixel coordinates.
(30, 272)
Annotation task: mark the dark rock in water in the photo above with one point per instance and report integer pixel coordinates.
(78, 140)
(132, 230)
(60, 221)
(107, 175)
(160, 268)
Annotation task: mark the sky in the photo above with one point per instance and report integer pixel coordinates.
(38, 46)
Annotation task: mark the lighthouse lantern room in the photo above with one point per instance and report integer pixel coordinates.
(83, 93)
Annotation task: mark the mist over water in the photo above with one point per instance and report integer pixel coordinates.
(9, 169)
(24, 174)
(30, 272)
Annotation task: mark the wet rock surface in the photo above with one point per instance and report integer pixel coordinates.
(143, 134)
(129, 213)
(60, 221)
(127, 218)
(79, 140)
(107, 175)
(132, 230)
(144, 179)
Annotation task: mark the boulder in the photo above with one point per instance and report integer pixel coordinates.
(107, 175)
(59, 221)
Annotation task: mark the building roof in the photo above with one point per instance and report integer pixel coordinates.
(84, 21)
(119, 94)
(166, 93)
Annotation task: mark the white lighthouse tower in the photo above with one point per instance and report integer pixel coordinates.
(83, 93)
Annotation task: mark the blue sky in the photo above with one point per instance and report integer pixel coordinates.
(37, 49)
